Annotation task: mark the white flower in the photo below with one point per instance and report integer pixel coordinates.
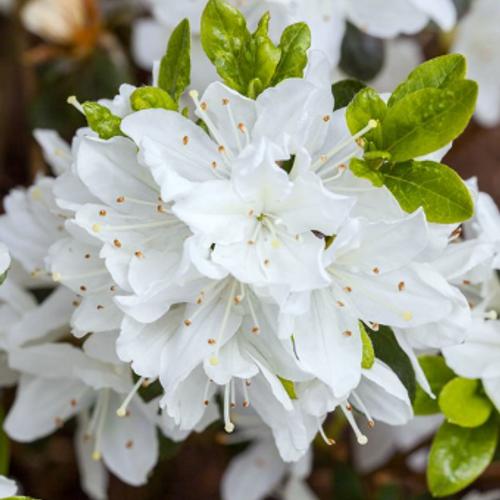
(59, 382)
(8, 488)
(4, 260)
(477, 37)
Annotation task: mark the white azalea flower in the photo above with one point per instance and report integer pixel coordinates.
(4, 260)
(8, 488)
(476, 38)
(59, 382)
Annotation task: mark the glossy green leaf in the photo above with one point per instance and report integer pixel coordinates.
(294, 44)
(225, 37)
(463, 402)
(345, 91)
(360, 169)
(438, 375)
(366, 106)
(459, 456)
(389, 351)
(368, 359)
(436, 73)
(152, 98)
(175, 68)
(433, 186)
(428, 119)
(289, 387)
(102, 121)
(264, 59)
(362, 55)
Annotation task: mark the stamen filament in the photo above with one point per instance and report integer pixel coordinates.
(326, 439)
(100, 427)
(122, 411)
(228, 425)
(362, 439)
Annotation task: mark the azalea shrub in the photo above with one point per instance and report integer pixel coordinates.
(273, 253)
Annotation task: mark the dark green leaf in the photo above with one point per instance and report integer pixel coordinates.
(433, 186)
(438, 375)
(347, 484)
(345, 91)
(366, 106)
(175, 69)
(428, 119)
(390, 492)
(294, 44)
(459, 456)
(389, 351)
(436, 73)
(152, 97)
(463, 402)
(225, 37)
(102, 121)
(151, 391)
(168, 448)
(362, 56)
(4, 447)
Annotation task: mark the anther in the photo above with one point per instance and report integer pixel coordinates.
(129, 445)
(340, 304)
(466, 282)
(74, 102)
(266, 262)
(83, 288)
(326, 118)
(187, 322)
(203, 106)
(87, 256)
(347, 333)
(214, 361)
(407, 316)
(256, 330)
(100, 308)
(103, 213)
(225, 102)
(59, 423)
(139, 255)
(376, 270)
(96, 228)
(121, 199)
(117, 243)
(212, 342)
(401, 286)
(185, 140)
(348, 289)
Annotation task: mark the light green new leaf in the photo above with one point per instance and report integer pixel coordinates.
(463, 403)
(265, 57)
(438, 375)
(102, 121)
(3, 277)
(366, 106)
(294, 44)
(289, 387)
(428, 119)
(459, 456)
(433, 186)
(389, 351)
(360, 169)
(175, 68)
(225, 38)
(436, 73)
(152, 98)
(368, 359)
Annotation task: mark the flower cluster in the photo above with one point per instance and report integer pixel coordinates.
(263, 263)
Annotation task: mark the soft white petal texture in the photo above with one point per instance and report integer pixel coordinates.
(40, 406)
(94, 477)
(4, 259)
(8, 488)
(478, 356)
(56, 151)
(297, 489)
(442, 12)
(384, 395)
(492, 388)
(254, 474)
(130, 445)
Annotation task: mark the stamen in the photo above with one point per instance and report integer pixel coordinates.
(326, 439)
(228, 425)
(246, 396)
(364, 409)
(347, 409)
(491, 315)
(122, 411)
(371, 125)
(256, 328)
(74, 102)
(232, 121)
(233, 394)
(100, 427)
(206, 401)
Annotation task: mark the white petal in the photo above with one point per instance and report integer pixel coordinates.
(56, 150)
(8, 488)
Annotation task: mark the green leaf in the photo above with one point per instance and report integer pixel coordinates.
(438, 375)
(102, 121)
(152, 97)
(347, 484)
(459, 456)
(368, 359)
(3, 277)
(360, 169)
(390, 492)
(225, 37)
(294, 44)
(265, 57)
(362, 55)
(4, 447)
(428, 119)
(289, 387)
(389, 351)
(175, 68)
(366, 106)
(433, 186)
(464, 403)
(436, 73)
(345, 91)
(168, 448)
